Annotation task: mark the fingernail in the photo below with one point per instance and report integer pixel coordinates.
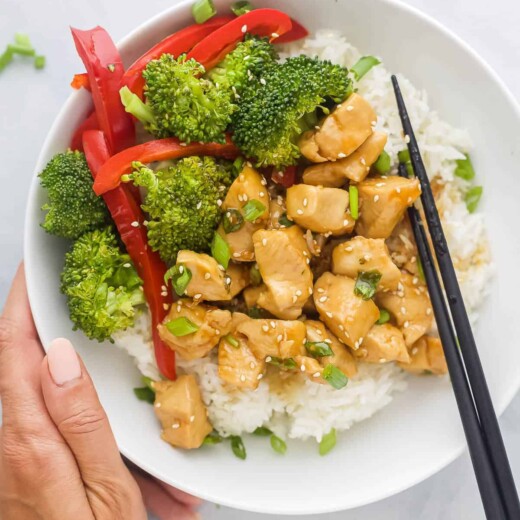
(63, 362)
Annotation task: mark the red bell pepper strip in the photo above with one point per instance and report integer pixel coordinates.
(109, 176)
(91, 123)
(261, 22)
(125, 212)
(297, 32)
(285, 178)
(80, 80)
(105, 70)
(178, 43)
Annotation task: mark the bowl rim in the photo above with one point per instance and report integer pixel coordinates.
(500, 404)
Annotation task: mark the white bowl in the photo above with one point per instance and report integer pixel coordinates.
(419, 432)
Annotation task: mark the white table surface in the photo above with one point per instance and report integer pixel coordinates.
(29, 101)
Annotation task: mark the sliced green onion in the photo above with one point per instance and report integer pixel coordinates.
(366, 284)
(383, 163)
(284, 221)
(220, 250)
(23, 40)
(181, 326)
(404, 156)
(203, 10)
(5, 58)
(15, 48)
(145, 394)
(254, 275)
(232, 220)
(238, 165)
(287, 364)
(232, 340)
(278, 444)
(242, 7)
(421, 270)
(39, 62)
(213, 438)
(148, 381)
(353, 196)
(328, 441)
(318, 349)
(262, 431)
(180, 276)
(363, 65)
(255, 312)
(472, 198)
(384, 317)
(253, 210)
(135, 106)
(334, 376)
(464, 169)
(238, 447)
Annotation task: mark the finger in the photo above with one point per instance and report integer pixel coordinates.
(181, 496)
(163, 505)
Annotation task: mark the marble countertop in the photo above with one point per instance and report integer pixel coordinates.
(29, 101)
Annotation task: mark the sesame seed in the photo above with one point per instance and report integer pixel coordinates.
(302, 368)
(262, 81)
(219, 202)
(268, 359)
(345, 222)
(316, 374)
(328, 340)
(341, 327)
(409, 200)
(197, 296)
(376, 198)
(299, 211)
(323, 299)
(310, 290)
(406, 138)
(259, 376)
(294, 299)
(164, 294)
(308, 261)
(398, 190)
(382, 360)
(320, 290)
(157, 405)
(279, 338)
(305, 202)
(380, 184)
(415, 350)
(341, 155)
(176, 425)
(350, 108)
(264, 241)
(415, 280)
(245, 197)
(319, 332)
(242, 378)
(192, 418)
(428, 312)
(261, 193)
(166, 306)
(406, 324)
(329, 314)
(207, 276)
(298, 292)
(179, 308)
(265, 328)
(403, 310)
(235, 255)
(135, 223)
(244, 28)
(228, 280)
(217, 332)
(317, 127)
(273, 324)
(252, 364)
(356, 345)
(275, 35)
(182, 144)
(199, 204)
(363, 161)
(349, 249)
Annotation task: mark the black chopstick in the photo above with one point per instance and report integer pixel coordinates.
(475, 374)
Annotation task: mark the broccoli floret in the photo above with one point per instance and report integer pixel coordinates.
(73, 208)
(183, 203)
(243, 64)
(274, 110)
(101, 285)
(183, 103)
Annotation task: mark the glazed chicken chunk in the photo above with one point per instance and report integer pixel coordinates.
(322, 210)
(426, 356)
(311, 368)
(411, 307)
(382, 344)
(183, 416)
(276, 211)
(366, 254)
(208, 280)
(283, 260)
(355, 167)
(248, 187)
(347, 315)
(383, 202)
(340, 133)
(210, 324)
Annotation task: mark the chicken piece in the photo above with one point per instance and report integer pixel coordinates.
(275, 338)
(311, 368)
(383, 202)
(283, 260)
(382, 344)
(236, 363)
(402, 246)
(348, 316)
(342, 358)
(411, 307)
(276, 210)
(249, 185)
(426, 356)
(323, 210)
(341, 132)
(366, 254)
(251, 294)
(209, 281)
(355, 167)
(183, 416)
(212, 324)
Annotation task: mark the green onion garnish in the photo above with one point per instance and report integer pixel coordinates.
(5, 58)
(366, 284)
(420, 269)
(384, 316)
(472, 198)
(135, 106)
(328, 441)
(284, 221)
(253, 210)
(180, 276)
(232, 340)
(383, 163)
(20, 49)
(262, 431)
(203, 10)
(232, 220)
(213, 438)
(145, 394)
(39, 62)
(255, 312)
(334, 376)
(353, 196)
(278, 444)
(318, 349)
(287, 364)
(242, 7)
(238, 447)
(181, 326)
(363, 65)
(220, 250)
(238, 165)
(23, 40)
(404, 158)
(464, 169)
(254, 275)
(148, 381)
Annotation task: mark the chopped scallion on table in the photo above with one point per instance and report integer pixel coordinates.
(39, 62)
(363, 65)
(328, 441)
(203, 10)
(181, 326)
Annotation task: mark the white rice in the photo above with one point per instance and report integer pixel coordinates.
(304, 409)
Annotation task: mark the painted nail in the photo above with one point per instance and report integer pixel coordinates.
(63, 362)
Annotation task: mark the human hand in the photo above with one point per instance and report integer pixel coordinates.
(58, 456)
